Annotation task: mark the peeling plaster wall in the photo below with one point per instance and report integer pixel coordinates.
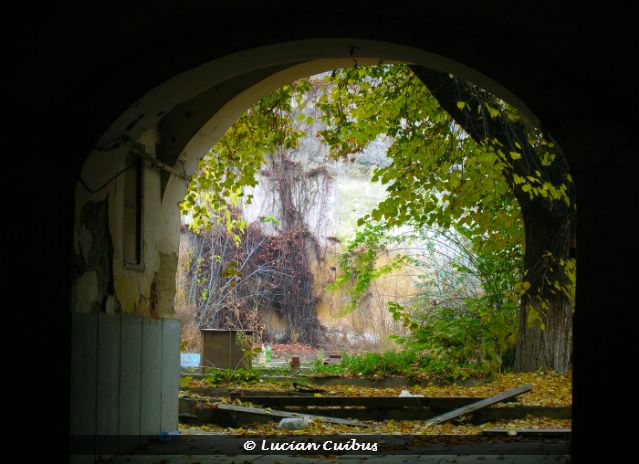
(103, 281)
(125, 340)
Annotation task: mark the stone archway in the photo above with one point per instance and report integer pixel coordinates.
(171, 128)
(177, 122)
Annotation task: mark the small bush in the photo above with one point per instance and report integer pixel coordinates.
(327, 369)
(232, 375)
(410, 363)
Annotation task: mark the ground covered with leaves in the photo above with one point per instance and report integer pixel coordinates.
(548, 389)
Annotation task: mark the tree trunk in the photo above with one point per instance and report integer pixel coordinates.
(549, 225)
(547, 345)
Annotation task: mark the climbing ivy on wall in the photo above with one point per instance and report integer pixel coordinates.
(266, 263)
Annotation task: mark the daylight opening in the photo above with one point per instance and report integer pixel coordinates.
(378, 226)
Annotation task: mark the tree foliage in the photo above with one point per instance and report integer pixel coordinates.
(438, 174)
(543, 186)
(473, 169)
(233, 163)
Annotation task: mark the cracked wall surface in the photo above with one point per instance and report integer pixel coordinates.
(92, 263)
(104, 282)
(125, 339)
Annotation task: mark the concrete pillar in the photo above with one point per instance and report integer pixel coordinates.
(84, 339)
(151, 369)
(108, 375)
(130, 375)
(124, 375)
(170, 374)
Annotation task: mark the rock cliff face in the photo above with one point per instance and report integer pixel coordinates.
(334, 200)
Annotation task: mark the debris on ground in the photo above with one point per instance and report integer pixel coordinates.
(294, 423)
(549, 390)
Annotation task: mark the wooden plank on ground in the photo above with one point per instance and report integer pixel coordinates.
(283, 414)
(490, 414)
(187, 411)
(367, 401)
(476, 406)
(239, 393)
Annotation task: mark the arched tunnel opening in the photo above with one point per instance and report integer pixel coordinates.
(126, 345)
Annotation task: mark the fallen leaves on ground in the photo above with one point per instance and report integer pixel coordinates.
(548, 388)
(388, 427)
